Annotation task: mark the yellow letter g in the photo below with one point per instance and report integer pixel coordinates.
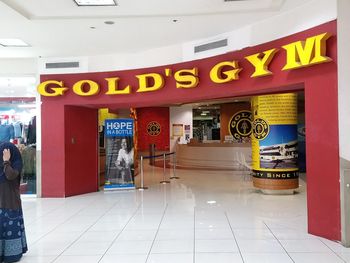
(57, 90)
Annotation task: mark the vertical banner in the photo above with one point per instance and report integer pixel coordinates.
(119, 154)
(275, 141)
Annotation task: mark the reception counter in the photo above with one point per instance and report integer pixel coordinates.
(214, 155)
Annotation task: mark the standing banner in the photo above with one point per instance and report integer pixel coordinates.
(275, 141)
(119, 154)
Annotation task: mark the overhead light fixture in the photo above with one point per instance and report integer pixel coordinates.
(13, 42)
(95, 2)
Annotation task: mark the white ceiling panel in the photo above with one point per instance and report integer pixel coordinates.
(59, 28)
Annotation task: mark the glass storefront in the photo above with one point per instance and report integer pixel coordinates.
(18, 125)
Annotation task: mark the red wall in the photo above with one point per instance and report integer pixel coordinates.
(53, 150)
(321, 114)
(145, 116)
(81, 148)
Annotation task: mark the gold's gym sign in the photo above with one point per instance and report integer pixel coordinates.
(299, 54)
(240, 125)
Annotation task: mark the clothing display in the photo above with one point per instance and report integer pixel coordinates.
(12, 234)
(29, 168)
(6, 132)
(32, 131)
(28, 156)
(17, 126)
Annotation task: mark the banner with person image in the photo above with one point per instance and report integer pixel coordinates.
(119, 154)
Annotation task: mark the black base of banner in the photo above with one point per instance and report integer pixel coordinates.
(280, 175)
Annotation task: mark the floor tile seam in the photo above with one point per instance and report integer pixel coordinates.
(279, 242)
(273, 238)
(239, 249)
(339, 256)
(57, 256)
(216, 238)
(217, 252)
(172, 253)
(85, 255)
(37, 218)
(309, 252)
(172, 239)
(75, 240)
(113, 241)
(154, 239)
(59, 225)
(59, 207)
(124, 253)
(308, 239)
(216, 228)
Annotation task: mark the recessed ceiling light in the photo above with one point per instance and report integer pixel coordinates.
(95, 2)
(109, 22)
(13, 42)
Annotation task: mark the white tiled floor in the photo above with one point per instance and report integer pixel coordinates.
(175, 223)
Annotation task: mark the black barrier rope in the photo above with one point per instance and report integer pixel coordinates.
(159, 155)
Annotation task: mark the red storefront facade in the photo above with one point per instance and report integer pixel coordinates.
(69, 121)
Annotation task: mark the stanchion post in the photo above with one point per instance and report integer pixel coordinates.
(141, 174)
(174, 168)
(164, 181)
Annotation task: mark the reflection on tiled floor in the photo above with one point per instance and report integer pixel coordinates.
(204, 217)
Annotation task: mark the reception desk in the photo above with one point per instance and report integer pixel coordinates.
(214, 155)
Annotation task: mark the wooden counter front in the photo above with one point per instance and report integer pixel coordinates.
(218, 144)
(212, 155)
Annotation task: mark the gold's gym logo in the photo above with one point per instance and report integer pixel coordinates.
(153, 128)
(260, 128)
(240, 124)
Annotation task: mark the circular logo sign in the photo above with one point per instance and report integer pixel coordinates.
(153, 128)
(260, 128)
(240, 124)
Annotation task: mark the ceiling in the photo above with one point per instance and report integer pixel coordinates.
(59, 28)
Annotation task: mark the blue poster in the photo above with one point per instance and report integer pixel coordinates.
(119, 128)
(119, 154)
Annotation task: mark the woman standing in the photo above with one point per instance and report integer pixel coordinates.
(12, 235)
(124, 162)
